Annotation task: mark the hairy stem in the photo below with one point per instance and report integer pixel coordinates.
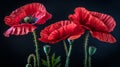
(89, 61)
(65, 47)
(85, 49)
(48, 60)
(68, 55)
(29, 59)
(36, 49)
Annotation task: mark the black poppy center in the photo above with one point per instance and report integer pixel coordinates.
(29, 19)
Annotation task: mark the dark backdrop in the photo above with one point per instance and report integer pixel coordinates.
(15, 49)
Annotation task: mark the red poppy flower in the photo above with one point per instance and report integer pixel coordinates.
(100, 25)
(23, 19)
(60, 31)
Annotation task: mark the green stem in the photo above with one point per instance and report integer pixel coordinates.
(68, 55)
(65, 47)
(89, 61)
(36, 49)
(29, 59)
(48, 60)
(85, 49)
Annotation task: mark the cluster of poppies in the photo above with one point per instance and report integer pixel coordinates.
(26, 19)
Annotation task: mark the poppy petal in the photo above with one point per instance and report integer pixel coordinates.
(83, 17)
(15, 17)
(107, 20)
(38, 11)
(59, 31)
(100, 25)
(8, 32)
(44, 18)
(32, 8)
(35, 10)
(64, 32)
(93, 20)
(14, 30)
(96, 25)
(78, 32)
(20, 30)
(104, 37)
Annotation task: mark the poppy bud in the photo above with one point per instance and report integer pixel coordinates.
(92, 50)
(46, 49)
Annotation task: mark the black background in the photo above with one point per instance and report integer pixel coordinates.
(15, 49)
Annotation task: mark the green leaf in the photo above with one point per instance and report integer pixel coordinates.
(57, 60)
(92, 50)
(44, 62)
(53, 58)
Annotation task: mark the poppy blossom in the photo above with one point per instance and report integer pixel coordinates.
(60, 30)
(100, 25)
(24, 19)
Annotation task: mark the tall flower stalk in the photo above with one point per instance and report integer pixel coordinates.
(36, 49)
(85, 49)
(88, 52)
(65, 47)
(91, 52)
(31, 56)
(68, 52)
(48, 59)
(47, 51)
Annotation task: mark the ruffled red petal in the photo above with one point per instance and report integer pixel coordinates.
(106, 19)
(101, 24)
(58, 31)
(21, 29)
(15, 17)
(44, 18)
(104, 37)
(33, 8)
(78, 31)
(93, 20)
(83, 17)
(36, 10)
